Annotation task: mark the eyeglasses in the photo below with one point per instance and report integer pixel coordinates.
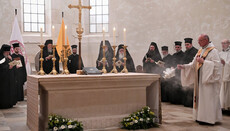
(201, 40)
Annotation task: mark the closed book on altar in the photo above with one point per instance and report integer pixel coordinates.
(91, 71)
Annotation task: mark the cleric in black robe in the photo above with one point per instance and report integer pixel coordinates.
(179, 54)
(190, 51)
(165, 84)
(108, 56)
(176, 93)
(120, 61)
(8, 91)
(188, 57)
(73, 61)
(167, 58)
(178, 57)
(48, 55)
(20, 71)
(152, 56)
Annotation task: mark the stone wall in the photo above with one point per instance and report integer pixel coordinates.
(162, 21)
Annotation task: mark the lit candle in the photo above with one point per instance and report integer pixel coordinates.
(103, 31)
(124, 36)
(66, 33)
(41, 32)
(53, 31)
(114, 36)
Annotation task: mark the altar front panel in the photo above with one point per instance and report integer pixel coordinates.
(98, 101)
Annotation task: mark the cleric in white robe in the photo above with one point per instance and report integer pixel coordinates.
(225, 85)
(205, 72)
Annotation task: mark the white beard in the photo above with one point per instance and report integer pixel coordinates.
(121, 56)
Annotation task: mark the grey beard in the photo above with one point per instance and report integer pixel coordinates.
(50, 50)
(164, 56)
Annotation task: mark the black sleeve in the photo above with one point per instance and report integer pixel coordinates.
(24, 69)
(82, 65)
(68, 62)
(57, 56)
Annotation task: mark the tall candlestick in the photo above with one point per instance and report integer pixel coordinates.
(124, 36)
(114, 36)
(103, 31)
(53, 36)
(41, 32)
(66, 33)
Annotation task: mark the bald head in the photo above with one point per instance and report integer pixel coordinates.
(203, 40)
(225, 44)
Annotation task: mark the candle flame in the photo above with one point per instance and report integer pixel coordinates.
(66, 27)
(53, 27)
(124, 29)
(114, 28)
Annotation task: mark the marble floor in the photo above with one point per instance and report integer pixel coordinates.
(175, 118)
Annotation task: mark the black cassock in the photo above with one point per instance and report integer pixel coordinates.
(168, 60)
(20, 76)
(154, 55)
(174, 90)
(189, 55)
(48, 64)
(108, 56)
(73, 63)
(151, 67)
(129, 63)
(8, 91)
(178, 58)
(166, 84)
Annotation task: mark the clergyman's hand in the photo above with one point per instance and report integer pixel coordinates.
(9, 57)
(48, 58)
(10, 67)
(200, 60)
(180, 67)
(151, 60)
(222, 61)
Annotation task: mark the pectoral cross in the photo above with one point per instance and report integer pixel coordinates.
(79, 28)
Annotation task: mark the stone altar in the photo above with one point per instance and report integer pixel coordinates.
(99, 101)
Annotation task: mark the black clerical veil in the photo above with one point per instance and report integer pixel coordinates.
(1, 53)
(8, 91)
(110, 50)
(108, 56)
(121, 47)
(129, 62)
(4, 47)
(48, 64)
(154, 55)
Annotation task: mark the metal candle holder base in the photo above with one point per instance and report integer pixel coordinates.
(41, 72)
(65, 68)
(114, 61)
(54, 71)
(125, 70)
(104, 59)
